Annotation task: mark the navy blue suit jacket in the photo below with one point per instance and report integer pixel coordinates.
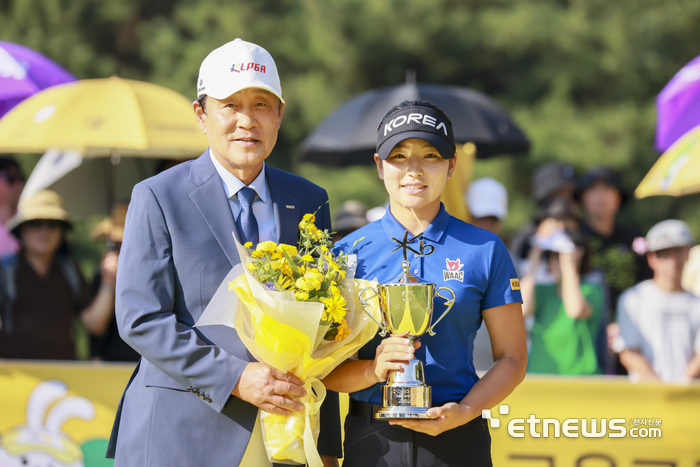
(177, 409)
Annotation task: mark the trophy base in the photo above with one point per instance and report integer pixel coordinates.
(394, 413)
(408, 400)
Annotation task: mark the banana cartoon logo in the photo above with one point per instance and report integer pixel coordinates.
(41, 443)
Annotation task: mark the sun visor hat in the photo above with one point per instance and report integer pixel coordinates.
(43, 205)
(416, 122)
(235, 66)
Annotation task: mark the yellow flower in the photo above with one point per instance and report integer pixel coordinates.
(334, 307)
(276, 265)
(267, 247)
(291, 250)
(301, 296)
(307, 258)
(334, 290)
(307, 283)
(276, 255)
(324, 248)
(314, 275)
(309, 218)
(286, 270)
(252, 266)
(257, 254)
(248, 244)
(343, 331)
(285, 283)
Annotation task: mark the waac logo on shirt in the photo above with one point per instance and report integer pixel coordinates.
(243, 66)
(454, 270)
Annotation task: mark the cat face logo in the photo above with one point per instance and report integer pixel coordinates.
(454, 266)
(454, 270)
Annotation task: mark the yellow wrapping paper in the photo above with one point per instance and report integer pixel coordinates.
(282, 332)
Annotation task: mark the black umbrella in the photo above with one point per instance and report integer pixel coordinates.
(349, 135)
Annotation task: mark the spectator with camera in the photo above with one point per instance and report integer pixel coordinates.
(568, 311)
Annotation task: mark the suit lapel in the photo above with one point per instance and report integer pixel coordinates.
(287, 208)
(210, 199)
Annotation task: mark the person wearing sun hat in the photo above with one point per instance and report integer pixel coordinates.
(196, 395)
(415, 157)
(42, 290)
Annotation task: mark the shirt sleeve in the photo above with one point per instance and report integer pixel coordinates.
(629, 337)
(503, 284)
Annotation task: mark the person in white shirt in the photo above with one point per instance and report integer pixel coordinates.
(659, 320)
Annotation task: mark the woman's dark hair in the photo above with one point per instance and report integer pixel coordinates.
(557, 209)
(415, 103)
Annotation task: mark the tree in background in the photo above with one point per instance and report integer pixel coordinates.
(579, 76)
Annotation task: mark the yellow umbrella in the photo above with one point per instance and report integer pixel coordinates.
(453, 194)
(103, 117)
(677, 172)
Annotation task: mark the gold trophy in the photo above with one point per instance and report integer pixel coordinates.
(406, 306)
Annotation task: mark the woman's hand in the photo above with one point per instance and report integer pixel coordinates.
(449, 416)
(391, 353)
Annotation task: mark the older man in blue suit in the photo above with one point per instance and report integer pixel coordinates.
(194, 397)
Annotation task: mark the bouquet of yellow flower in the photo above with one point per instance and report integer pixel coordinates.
(310, 270)
(296, 309)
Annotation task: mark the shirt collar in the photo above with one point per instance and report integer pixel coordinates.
(232, 184)
(434, 232)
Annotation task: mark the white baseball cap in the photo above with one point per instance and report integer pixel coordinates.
(670, 233)
(487, 197)
(238, 65)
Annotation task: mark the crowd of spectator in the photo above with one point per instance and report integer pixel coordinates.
(598, 296)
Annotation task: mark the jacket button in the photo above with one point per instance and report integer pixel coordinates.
(207, 399)
(189, 388)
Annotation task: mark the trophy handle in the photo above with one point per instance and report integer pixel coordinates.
(448, 301)
(365, 304)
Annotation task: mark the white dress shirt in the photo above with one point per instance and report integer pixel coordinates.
(262, 205)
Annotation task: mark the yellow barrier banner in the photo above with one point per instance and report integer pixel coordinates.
(61, 414)
(58, 414)
(597, 422)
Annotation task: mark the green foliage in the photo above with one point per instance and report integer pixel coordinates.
(579, 76)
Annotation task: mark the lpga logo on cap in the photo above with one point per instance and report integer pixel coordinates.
(248, 66)
(235, 66)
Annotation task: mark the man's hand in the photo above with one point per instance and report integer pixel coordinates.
(270, 389)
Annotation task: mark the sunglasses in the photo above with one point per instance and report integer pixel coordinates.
(12, 178)
(39, 223)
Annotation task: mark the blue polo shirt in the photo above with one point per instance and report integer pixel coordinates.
(472, 262)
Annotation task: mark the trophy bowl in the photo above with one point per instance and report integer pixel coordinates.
(406, 307)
